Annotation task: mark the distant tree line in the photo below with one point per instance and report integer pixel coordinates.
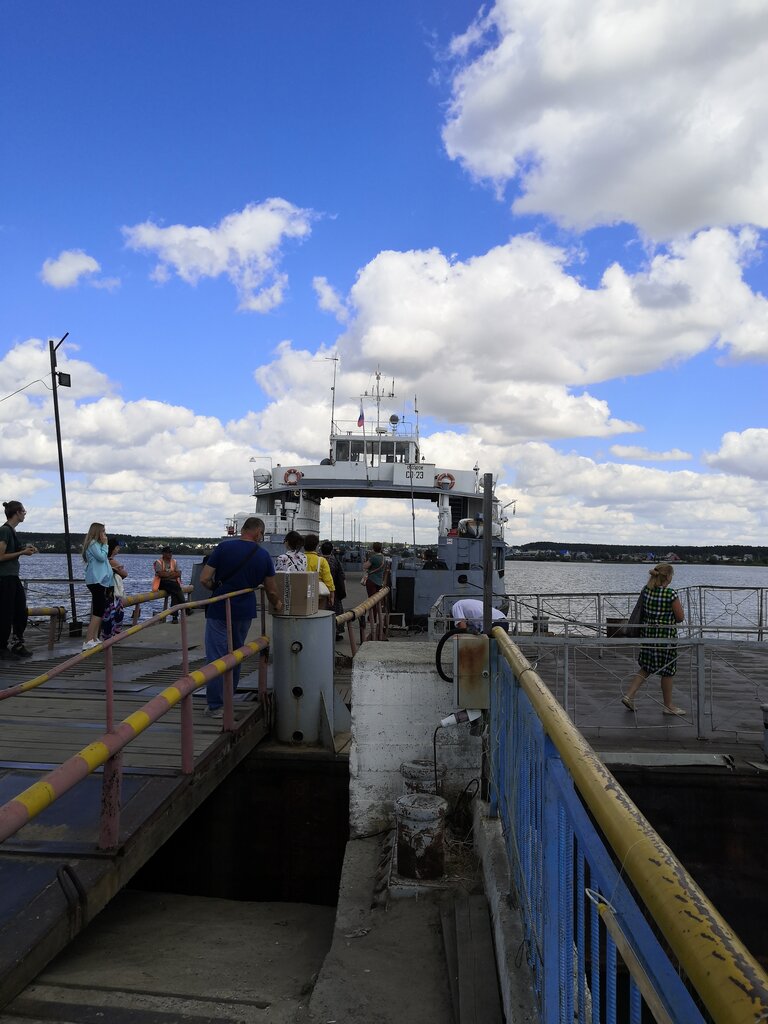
(53, 543)
(741, 553)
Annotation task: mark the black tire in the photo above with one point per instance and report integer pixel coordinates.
(439, 653)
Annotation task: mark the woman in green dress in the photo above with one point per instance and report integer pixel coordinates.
(661, 613)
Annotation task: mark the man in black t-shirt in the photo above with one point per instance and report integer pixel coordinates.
(13, 601)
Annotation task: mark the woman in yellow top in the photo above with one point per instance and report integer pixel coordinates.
(316, 563)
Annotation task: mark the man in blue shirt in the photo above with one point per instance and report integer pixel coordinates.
(234, 565)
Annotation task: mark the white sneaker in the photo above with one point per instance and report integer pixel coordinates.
(90, 644)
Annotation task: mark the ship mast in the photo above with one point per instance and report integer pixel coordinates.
(377, 394)
(335, 361)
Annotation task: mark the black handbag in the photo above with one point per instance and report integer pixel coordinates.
(635, 622)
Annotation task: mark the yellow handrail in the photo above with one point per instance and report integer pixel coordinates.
(730, 982)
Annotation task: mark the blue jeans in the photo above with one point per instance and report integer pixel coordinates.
(216, 647)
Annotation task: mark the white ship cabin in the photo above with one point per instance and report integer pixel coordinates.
(383, 462)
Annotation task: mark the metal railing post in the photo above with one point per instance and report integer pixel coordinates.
(351, 635)
(111, 783)
(700, 686)
(187, 725)
(551, 881)
(566, 680)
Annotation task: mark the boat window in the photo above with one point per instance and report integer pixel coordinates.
(401, 451)
(387, 451)
(357, 451)
(342, 451)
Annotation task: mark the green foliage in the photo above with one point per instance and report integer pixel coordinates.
(53, 543)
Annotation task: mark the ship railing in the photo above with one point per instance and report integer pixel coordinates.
(710, 611)
(57, 614)
(370, 627)
(721, 683)
(135, 601)
(615, 927)
(107, 750)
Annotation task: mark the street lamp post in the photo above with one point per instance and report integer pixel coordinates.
(75, 627)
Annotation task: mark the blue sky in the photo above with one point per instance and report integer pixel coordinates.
(548, 221)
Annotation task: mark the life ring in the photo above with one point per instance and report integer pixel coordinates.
(441, 478)
(292, 476)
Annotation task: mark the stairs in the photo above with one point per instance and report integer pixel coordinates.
(469, 954)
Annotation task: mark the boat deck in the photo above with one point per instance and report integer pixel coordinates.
(721, 693)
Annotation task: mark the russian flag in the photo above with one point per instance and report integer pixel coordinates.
(361, 417)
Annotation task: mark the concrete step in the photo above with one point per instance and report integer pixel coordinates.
(159, 958)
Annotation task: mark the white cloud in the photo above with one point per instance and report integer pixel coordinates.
(328, 299)
(245, 246)
(149, 466)
(68, 268)
(507, 340)
(745, 453)
(652, 113)
(628, 451)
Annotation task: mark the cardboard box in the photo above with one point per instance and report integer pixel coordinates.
(299, 592)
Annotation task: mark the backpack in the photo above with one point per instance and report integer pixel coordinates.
(112, 620)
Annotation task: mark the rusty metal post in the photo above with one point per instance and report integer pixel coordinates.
(109, 689)
(187, 726)
(351, 635)
(109, 824)
(109, 830)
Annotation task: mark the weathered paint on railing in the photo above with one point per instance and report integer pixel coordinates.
(33, 800)
(546, 827)
(379, 623)
(55, 615)
(135, 601)
(57, 670)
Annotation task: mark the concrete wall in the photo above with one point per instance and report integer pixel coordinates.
(398, 700)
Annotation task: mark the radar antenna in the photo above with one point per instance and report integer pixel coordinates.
(377, 394)
(335, 361)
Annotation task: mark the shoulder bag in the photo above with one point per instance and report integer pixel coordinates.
(215, 583)
(635, 622)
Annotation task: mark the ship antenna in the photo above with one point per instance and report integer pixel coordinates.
(416, 413)
(334, 360)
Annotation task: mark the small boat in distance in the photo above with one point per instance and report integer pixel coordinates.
(386, 461)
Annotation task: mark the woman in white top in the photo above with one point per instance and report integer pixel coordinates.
(293, 559)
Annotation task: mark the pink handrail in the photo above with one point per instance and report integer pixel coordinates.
(107, 750)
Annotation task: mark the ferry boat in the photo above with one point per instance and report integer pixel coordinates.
(386, 461)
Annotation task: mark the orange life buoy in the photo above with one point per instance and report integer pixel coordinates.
(292, 476)
(441, 479)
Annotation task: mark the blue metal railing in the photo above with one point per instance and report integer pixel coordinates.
(612, 921)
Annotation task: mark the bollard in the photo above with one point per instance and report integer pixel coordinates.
(420, 834)
(302, 670)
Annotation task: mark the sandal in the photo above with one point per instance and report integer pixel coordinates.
(673, 711)
(628, 703)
